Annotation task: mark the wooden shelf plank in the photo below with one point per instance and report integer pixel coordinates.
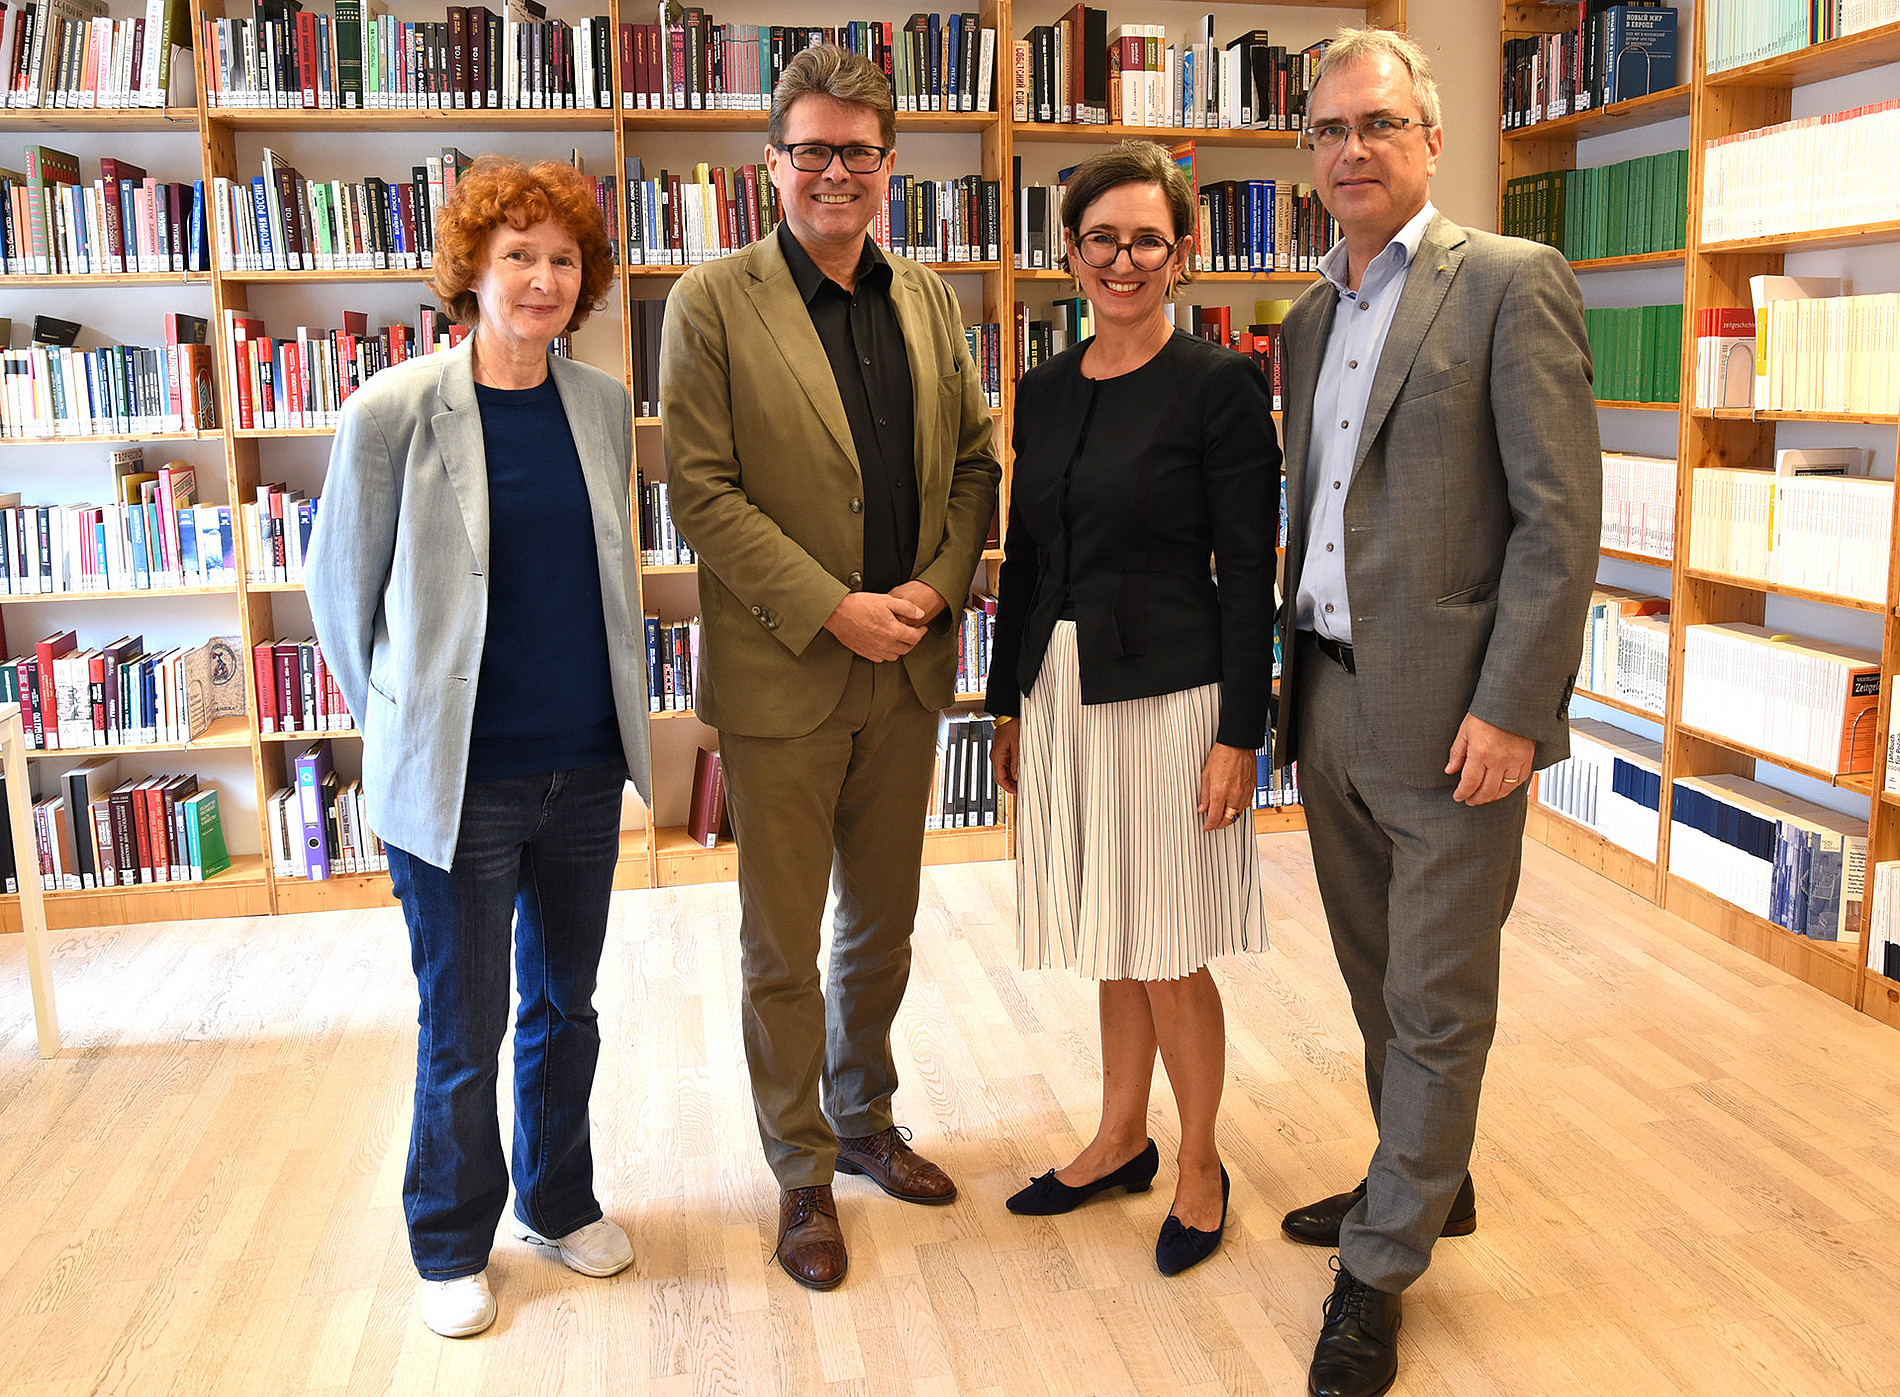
(1873, 48)
(1621, 705)
(1829, 966)
(642, 271)
(181, 119)
(1634, 259)
(345, 734)
(1860, 782)
(1812, 239)
(1279, 819)
(385, 120)
(1778, 589)
(108, 438)
(339, 276)
(27, 283)
(1077, 133)
(670, 121)
(280, 433)
(1200, 278)
(673, 714)
(164, 593)
(1638, 407)
(1666, 105)
(1880, 997)
(1749, 414)
(1625, 556)
(224, 735)
(242, 890)
(669, 569)
(1590, 848)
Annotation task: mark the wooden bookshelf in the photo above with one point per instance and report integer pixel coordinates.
(1626, 556)
(222, 141)
(1716, 273)
(1633, 259)
(1635, 710)
(1591, 849)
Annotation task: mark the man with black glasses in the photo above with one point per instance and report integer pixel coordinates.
(828, 448)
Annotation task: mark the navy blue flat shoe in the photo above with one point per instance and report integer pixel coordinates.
(1048, 1195)
(1180, 1246)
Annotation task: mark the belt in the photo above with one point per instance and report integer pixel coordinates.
(1340, 655)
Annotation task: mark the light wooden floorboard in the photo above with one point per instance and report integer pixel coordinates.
(1688, 1174)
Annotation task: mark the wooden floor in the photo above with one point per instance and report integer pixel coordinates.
(1688, 1174)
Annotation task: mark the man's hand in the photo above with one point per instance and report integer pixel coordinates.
(879, 625)
(1488, 761)
(922, 596)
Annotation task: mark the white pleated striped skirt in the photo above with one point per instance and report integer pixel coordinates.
(1115, 878)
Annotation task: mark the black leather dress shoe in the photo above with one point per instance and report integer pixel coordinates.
(1358, 1350)
(1317, 1224)
(1180, 1246)
(1048, 1195)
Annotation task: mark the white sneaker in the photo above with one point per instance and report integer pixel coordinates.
(598, 1249)
(458, 1308)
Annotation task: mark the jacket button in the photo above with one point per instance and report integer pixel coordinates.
(758, 611)
(854, 581)
(857, 506)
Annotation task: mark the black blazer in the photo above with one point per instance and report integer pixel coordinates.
(1181, 462)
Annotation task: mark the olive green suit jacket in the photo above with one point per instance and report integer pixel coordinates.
(764, 483)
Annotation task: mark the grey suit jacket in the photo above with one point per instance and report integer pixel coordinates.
(397, 580)
(1473, 515)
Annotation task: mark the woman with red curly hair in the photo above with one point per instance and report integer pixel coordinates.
(471, 580)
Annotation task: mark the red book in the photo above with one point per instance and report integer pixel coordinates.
(707, 815)
(626, 65)
(46, 720)
(125, 832)
(156, 839)
(141, 813)
(264, 667)
(290, 714)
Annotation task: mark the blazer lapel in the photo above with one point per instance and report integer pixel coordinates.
(788, 325)
(1310, 322)
(458, 434)
(587, 419)
(913, 317)
(1433, 269)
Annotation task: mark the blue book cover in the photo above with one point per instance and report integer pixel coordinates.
(656, 699)
(188, 543)
(196, 259)
(313, 769)
(141, 566)
(260, 206)
(1639, 51)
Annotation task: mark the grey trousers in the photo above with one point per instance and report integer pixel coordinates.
(845, 804)
(1416, 889)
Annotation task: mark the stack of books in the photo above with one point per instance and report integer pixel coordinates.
(1637, 351)
(72, 54)
(53, 223)
(1739, 32)
(1794, 863)
(1611, 783)
(1639, 504)
(319, 825)
(151, 537)
(1810, 701)
(1832, 171)
(1626, 648)
(1621, 210)
(295, 690)
(98, 834)
(117, 695)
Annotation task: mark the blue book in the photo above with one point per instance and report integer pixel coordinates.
(260, 206)
(197, 261)
(1639, 51)
(188, 545)
(656, 698)
(141, 565)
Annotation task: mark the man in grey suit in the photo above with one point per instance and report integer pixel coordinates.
(1443, 487)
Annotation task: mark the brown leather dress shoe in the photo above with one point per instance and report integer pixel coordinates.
(888, 1161)
(810, 1242)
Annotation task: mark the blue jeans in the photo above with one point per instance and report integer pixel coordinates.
(535, 858)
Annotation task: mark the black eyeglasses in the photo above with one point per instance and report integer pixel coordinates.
(1376, 131)
(1148, 253)
(815, 157)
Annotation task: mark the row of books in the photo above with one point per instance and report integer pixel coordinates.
(1808, 700)
(1739, 32)
(1832, 171)
(361, 58)
(296, 692)
(1822, 533)
(71, 53)
(1612, 54)
(1637, 351)
(53, 223)
(1825, 352)
(1639, 504)
(318, 825)
(660, 543)
(1724, 357)
(1626, 648)
(934, 62)
(1274, 786)
(1261, 225)
(1078, 71)
(98, 831)
(115, 390)
(963, 786)
(672, 664)
(1883, 921)
(1611, 782)
(277, 526)
(1621, 210)
(1787, 860)
(302, 380)
(156, 540)
(117, 695)
(973, 645)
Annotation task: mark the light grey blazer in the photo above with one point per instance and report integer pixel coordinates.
(1474, 510)
(397, 580)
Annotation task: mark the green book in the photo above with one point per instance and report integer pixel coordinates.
(204, 834)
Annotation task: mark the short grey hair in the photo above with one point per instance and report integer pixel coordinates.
(1352, 46)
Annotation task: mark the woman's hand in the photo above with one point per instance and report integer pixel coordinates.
(1005, 747)
(1227, 786)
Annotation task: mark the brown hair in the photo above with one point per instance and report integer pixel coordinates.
(837, 73)
(497, 190)
(1129, 162)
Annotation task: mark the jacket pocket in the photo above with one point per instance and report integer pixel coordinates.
(1472, 596)
(1427, 384)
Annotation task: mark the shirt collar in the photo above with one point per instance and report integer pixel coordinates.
(873, 268)
(1401, 250)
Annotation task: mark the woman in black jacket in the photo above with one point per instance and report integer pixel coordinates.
(1141, 682)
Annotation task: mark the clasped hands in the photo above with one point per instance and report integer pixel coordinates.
(885, 625)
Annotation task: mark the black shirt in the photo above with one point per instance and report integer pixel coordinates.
(865, 345)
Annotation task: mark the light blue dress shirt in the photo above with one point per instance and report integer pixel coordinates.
(1360, 321)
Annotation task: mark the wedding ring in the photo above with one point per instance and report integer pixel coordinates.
(1232, 813)
(1512, 780)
